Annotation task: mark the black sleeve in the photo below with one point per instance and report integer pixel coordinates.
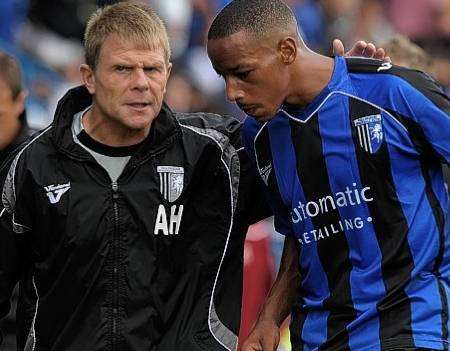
(254, 199)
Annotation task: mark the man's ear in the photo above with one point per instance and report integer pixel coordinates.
(169, 69)
(88, 78)
(20, 102)
(287, 48)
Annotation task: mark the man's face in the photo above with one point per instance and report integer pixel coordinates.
(128, 83)
(256, 79)
(10, 108)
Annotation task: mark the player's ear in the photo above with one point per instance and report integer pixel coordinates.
(287, 48)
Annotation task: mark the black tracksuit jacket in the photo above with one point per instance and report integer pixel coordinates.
(152, 262)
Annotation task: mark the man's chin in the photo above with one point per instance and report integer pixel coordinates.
(261, 117)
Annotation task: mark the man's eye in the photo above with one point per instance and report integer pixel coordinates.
(243, 74)
(121, 68)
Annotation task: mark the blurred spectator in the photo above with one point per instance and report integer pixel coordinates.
(427, 23)
(177, 15)
(203, 13)
(66, 18)
(13, 131)
(12, 16)
(403, 52)
(13, 125)
(311, 18)
(415, 19)
(183, 96)
(352, 20)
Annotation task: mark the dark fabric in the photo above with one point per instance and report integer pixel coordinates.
(106, 150)
(23, 135)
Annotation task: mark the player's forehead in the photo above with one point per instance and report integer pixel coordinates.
(235, 50)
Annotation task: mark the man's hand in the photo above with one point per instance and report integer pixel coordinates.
(361, 48)
(264, 337)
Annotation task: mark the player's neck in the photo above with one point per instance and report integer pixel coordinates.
(310, 76)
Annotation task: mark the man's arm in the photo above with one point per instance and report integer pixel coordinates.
(265, 336)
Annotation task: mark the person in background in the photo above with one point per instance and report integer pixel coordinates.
(13, 124)
(13, 132)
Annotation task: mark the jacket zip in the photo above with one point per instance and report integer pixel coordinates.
(115, 262)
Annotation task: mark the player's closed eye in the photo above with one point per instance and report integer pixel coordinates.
(243, 74)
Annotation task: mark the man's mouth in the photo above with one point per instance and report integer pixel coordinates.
(138, 105)
(246, 108)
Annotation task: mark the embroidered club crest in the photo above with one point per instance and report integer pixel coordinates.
(370, 132)
(171, 182)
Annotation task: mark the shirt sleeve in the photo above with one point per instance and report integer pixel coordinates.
(425, 110)
(269, 192)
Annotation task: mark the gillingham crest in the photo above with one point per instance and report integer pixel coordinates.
(370, 132)
(171, 181)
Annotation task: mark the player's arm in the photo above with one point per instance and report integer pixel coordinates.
(265, 336)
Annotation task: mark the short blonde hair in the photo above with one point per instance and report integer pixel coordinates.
(129, 21)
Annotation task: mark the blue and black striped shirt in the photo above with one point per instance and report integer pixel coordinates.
(356, 178)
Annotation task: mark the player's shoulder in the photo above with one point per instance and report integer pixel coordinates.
(387, 76)
(210, 125)
(389, 72)
(205, 119)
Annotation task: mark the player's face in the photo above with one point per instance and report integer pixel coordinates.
(256, 79)
(129, 83)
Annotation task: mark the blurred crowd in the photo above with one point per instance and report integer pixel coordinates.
(46, 37)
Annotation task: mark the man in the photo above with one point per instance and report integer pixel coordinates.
(124, 221)
(13, 131)
(13, 125)
(350, 153)
(119, 217)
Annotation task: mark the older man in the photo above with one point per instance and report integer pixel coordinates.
(124, 221)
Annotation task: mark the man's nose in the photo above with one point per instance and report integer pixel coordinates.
(140, 80)
(232, 90)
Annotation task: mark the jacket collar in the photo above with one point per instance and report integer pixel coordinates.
(165, 128)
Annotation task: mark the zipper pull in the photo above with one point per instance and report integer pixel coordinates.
(115, 188)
